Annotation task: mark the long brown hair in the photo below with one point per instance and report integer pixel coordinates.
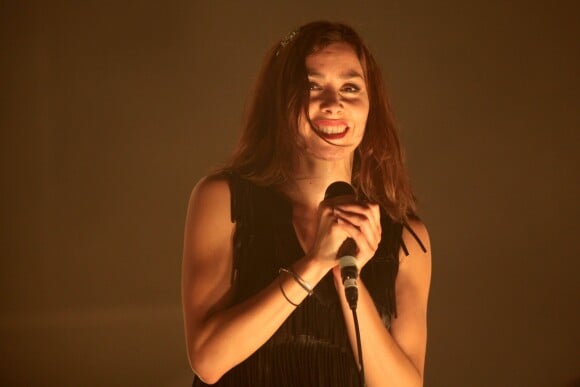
(268, 140)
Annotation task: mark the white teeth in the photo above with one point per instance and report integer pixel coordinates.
(331, 129)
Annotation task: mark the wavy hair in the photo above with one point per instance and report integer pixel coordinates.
(267, 144)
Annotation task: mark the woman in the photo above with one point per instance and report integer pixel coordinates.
(259, 235)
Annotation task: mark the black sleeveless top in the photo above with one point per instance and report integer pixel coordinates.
(311, 348)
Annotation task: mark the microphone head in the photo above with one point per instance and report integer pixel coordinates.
(348, 247)
(338, 188)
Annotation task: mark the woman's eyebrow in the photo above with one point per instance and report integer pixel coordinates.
(349, 74)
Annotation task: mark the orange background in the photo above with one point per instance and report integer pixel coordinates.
(111, 111)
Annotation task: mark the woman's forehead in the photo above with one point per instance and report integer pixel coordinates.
(339, 58)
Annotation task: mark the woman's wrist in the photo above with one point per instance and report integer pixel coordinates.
(310, 269)
(320, 263)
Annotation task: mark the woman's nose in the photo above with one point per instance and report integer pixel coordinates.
(330, 101)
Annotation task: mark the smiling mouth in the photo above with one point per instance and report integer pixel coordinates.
(330, 129)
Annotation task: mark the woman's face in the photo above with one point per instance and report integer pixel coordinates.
(338, 105)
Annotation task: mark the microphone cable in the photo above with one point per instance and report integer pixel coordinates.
(359, 347)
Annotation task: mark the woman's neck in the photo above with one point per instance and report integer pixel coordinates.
(311, 178)
(306, 189)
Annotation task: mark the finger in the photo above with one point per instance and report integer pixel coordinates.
(376, 213)
(370, 210)
(365, 229)
(367, 242)
(354, 218)
(365, 219)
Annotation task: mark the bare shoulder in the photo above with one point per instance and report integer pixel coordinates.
(208, 226)
(211, 190)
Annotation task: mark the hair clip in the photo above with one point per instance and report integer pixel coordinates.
(287, 39)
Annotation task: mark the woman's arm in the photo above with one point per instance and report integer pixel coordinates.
(396, 358)
(220, 335)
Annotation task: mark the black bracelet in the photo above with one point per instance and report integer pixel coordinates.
(305, 285)
(284, 293)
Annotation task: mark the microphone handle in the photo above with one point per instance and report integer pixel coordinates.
(349, 274)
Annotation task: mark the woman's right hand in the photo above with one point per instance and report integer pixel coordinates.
(341, 218)
(330, 235)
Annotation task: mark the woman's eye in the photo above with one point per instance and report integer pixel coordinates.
(314, 87)
(350, 88)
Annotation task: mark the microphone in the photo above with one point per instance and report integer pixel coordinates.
(347, 251)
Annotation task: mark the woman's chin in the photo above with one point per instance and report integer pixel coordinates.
(330, 154)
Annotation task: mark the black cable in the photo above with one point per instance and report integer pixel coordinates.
(359, 347)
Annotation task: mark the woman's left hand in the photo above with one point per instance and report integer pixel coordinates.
(363, 225)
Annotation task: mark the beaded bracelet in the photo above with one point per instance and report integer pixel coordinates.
(305, 285)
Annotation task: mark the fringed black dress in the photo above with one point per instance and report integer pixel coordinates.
(311, 348)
